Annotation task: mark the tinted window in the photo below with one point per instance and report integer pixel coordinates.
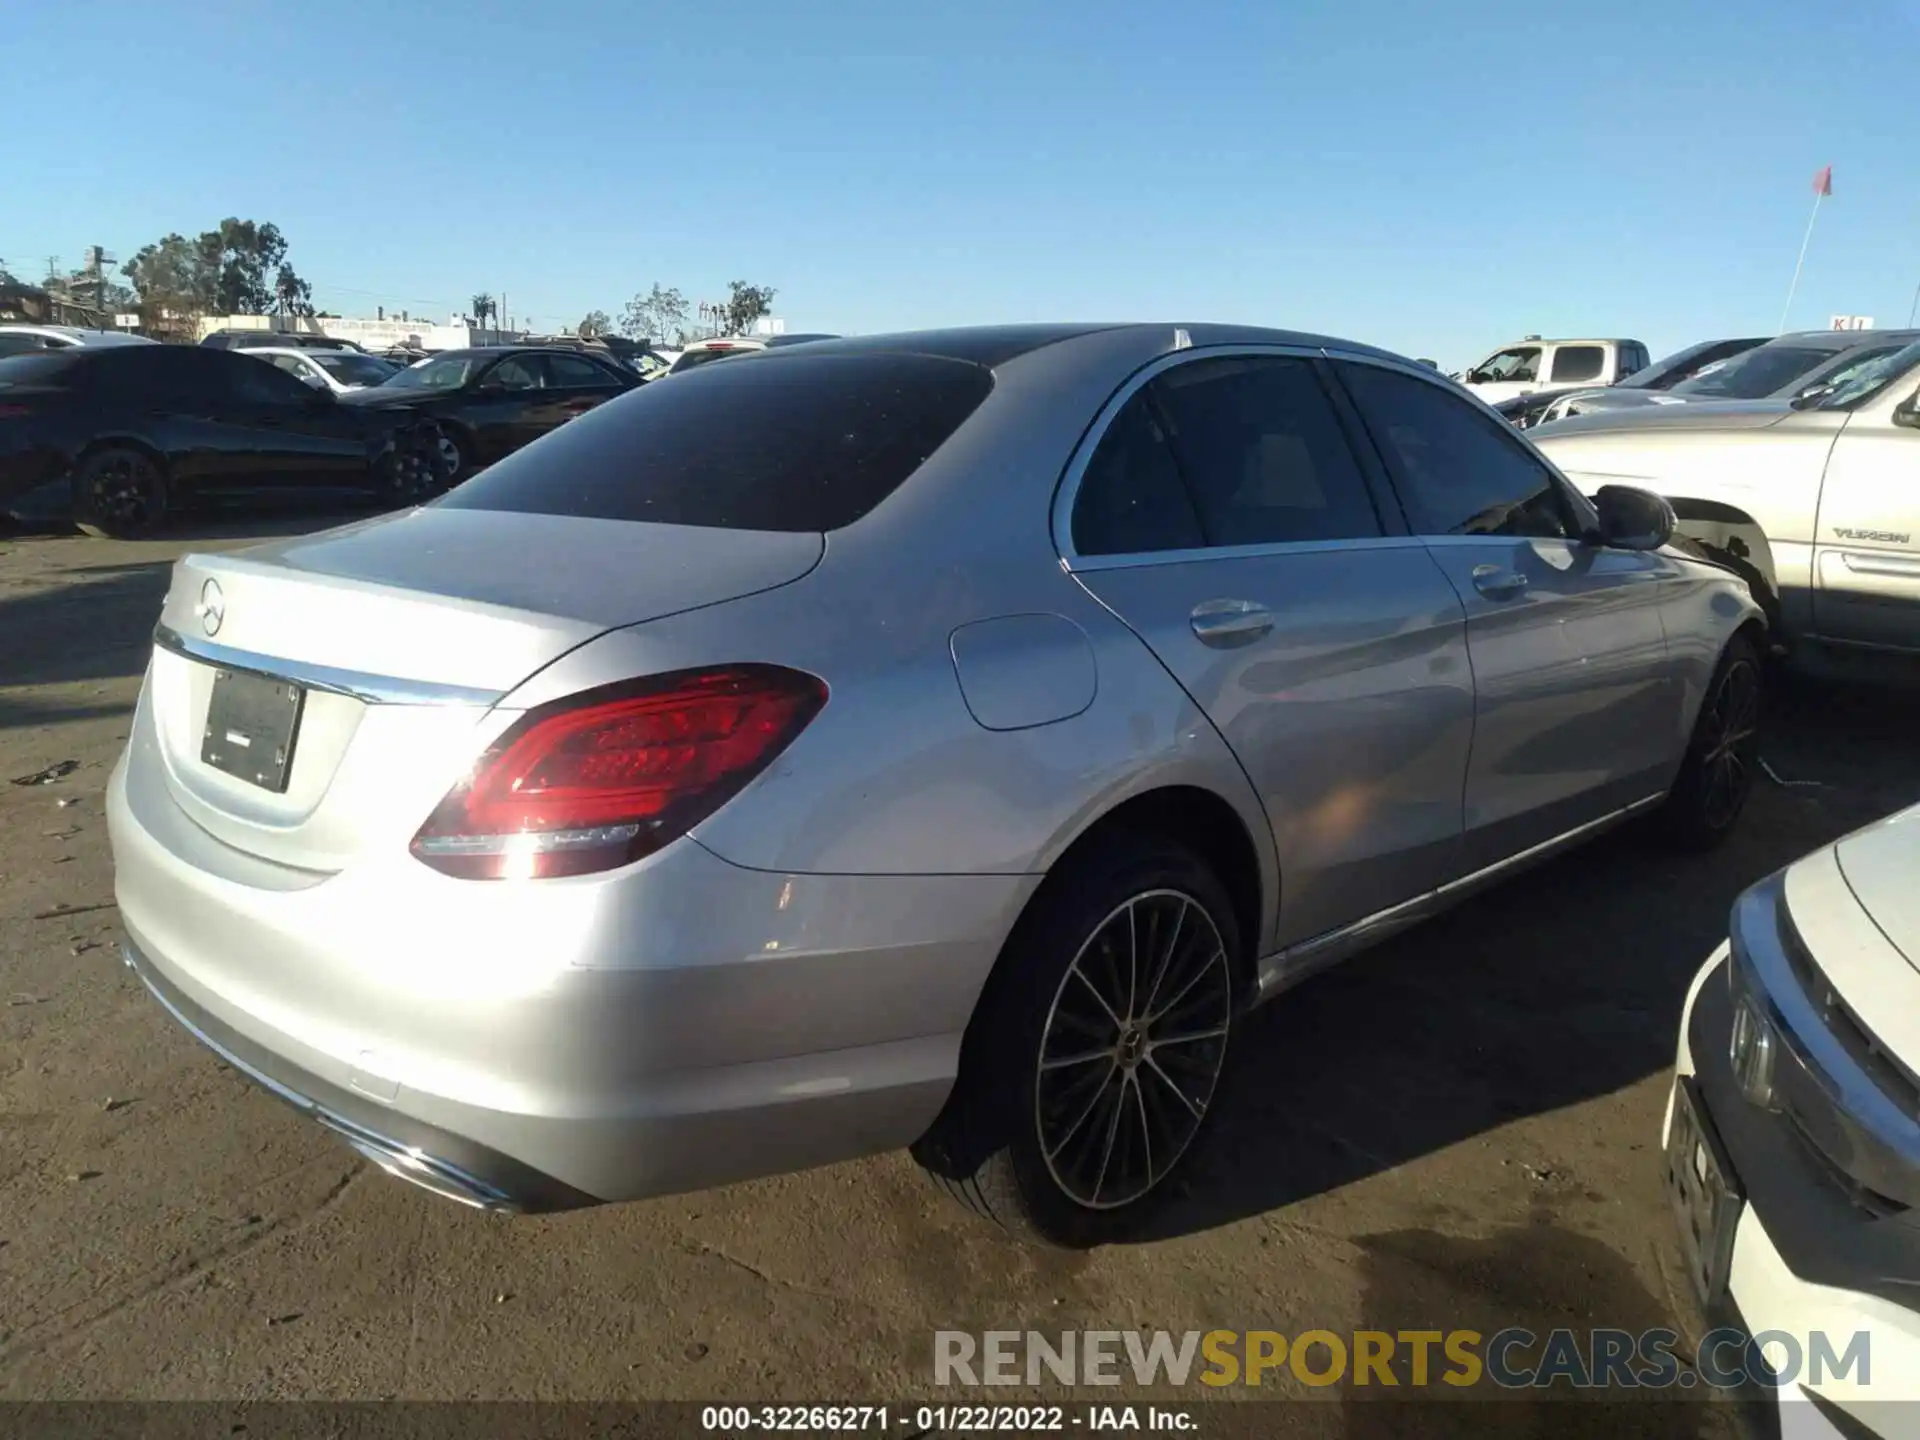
(17, 344)
(1263, 453)
(352, 369)
(289, 363)
(1460, 472)
(791, 443)
(1131, 499)
(574, 373)
(1582, 362)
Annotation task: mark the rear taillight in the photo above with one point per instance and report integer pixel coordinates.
(601, 779)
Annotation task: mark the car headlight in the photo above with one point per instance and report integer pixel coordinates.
(1752, 1048)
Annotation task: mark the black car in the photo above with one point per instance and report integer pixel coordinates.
(1663, 374)
(492, 399)
(118, 437)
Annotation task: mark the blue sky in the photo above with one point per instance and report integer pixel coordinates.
(1434, 178)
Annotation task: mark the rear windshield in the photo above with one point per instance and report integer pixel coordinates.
(791, 442)
(40, 366)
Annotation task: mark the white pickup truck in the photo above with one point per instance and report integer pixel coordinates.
(1534, 366)
(1815, 500)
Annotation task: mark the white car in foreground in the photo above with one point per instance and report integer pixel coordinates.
(1793, 1135)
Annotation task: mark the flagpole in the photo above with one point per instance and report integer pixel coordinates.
(1807, 240)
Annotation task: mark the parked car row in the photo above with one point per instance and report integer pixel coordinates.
(1809, 496)
(119, 437)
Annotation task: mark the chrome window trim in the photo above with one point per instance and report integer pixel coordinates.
(357, 684)
(1068, 490)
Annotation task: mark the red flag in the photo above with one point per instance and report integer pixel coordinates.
(1823, 182)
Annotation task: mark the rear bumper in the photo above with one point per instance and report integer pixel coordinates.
(433, 1159)
(678, 1024)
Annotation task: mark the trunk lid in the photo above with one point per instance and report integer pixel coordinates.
(403, 632)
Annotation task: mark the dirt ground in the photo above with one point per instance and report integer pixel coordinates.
(1459, 1129)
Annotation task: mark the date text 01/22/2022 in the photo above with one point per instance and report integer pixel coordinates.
(940, 1419)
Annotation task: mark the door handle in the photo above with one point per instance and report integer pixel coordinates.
(1226, 623)
(1904, 567)
(1496, 582)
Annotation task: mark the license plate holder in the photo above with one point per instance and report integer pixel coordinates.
(252, 724)
(1704, 1191)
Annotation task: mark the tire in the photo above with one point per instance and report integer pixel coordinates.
(1064, 1042)
(1717, 775)
(119, 493)
(456, 454)
(414, 469)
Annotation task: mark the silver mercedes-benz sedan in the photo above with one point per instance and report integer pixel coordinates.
(934, 740)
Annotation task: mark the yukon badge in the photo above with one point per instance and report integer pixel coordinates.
(1884, 537)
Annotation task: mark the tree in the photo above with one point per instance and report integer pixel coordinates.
(172, 279)
(483, 307)
(660, 314)
(244, 256)
(291, 294)
(594, 324)
(746, 304)
(239, 268)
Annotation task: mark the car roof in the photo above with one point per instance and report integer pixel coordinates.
(1838, 340)
(78, 333)
(995, 345)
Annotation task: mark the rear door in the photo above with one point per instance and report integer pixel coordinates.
(505, 411)
(1867, 539)
(1222, 511)
(1576, 710)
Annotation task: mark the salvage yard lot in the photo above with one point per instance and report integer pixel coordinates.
(1457, 1130)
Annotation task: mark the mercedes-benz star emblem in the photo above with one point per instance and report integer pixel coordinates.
(212, 608)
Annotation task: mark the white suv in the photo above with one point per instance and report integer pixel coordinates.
(1533, 365)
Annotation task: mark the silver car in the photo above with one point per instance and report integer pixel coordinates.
(934, 740)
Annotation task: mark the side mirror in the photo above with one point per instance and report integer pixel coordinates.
(1633, 519)
(1907, 413)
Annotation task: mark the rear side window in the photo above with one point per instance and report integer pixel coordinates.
(1460, 471)
(573, 373)
(1583, 362)
(1263, 452)
(1131, 500)
(790, 443)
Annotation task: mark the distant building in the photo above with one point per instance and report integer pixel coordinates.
(456, 334)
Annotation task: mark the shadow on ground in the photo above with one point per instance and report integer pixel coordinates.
(1562, 985)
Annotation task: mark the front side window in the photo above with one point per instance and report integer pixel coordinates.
(1521, 363)
(256, 384)
(1579, 362)
(1459, 471)
(443, 372)
(1131, 499)
(1262, 452)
